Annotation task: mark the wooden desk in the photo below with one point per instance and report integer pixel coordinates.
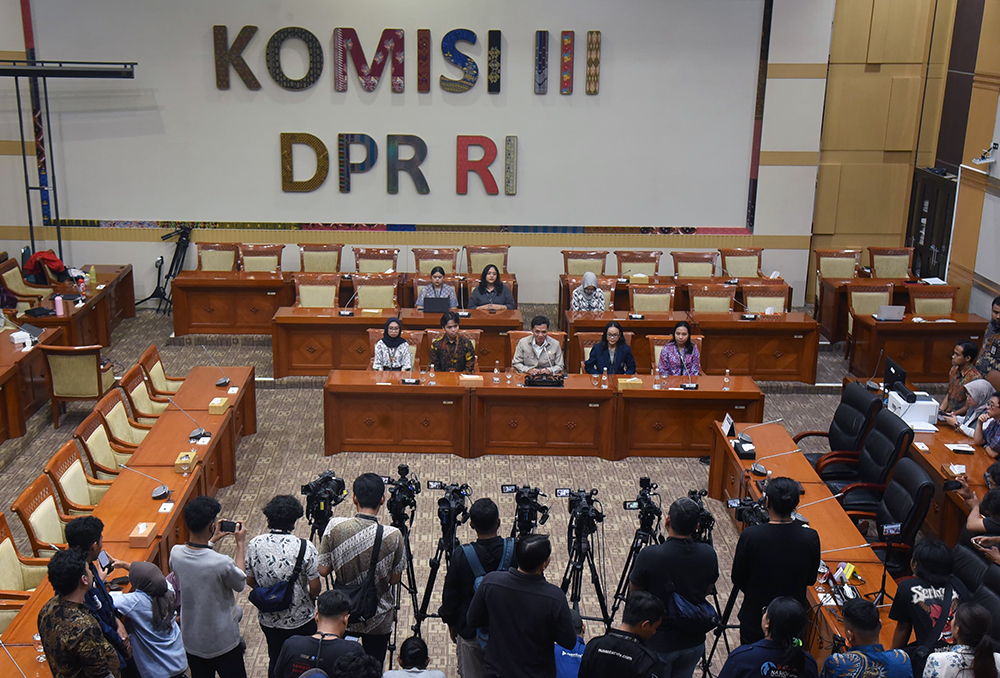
(780, 347)
(653, 323)
(831, 308)
(677, 423)
(199, 389)
(213, 302)
(408, 298)
(169, 437)
(26, 390)
(361, 415)
(120, 289)
(493, 344)
(109, 300)
(922, 349)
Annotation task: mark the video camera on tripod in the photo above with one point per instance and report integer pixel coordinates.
(649, 509)
(402, 496)
(529, 513)
(584, 508)
(321, 496)
(452, 510)
(706, 521)
(585, 511)
(750, 512)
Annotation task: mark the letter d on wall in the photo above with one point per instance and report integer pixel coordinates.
(288, 183)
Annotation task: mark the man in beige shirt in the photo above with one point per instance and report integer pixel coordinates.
(538, 354)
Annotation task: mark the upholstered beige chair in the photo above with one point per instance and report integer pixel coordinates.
(759, 298)
(933, 299)
(658, 341)
(742, 262)
(9, 610)
(375, 290)
(578, 262)
(587, 340)
(260, 258)
(218, 256)
(319, 257)
(375, 259)
(471, 335)
(891, 262)
(864, 298)
(479, 257)
(123, 430)
(44, 523)
(146, 407)
(420, 281)
(317, 290)
(78, 492)
(638, 262)
(18, 575)
(427, 258)
(651, 298)
(413, 338)
(29, 294)
(835, 265)
(712, 298)
(152, 366)
(76, 374)
(103, 453)
(694, 264)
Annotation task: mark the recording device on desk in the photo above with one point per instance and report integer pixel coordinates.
(161, 492)
(224, 381)
(321, 496)
(197, 433)
(529, 513)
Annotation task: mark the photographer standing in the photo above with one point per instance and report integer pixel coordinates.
(271, 558)
(683, 567)
(484, 517)
(775, 559)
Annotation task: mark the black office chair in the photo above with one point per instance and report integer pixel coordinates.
(968, 566)
(850, 423)
(906, 499)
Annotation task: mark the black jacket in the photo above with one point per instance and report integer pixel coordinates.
(600, 357)
(458, 583)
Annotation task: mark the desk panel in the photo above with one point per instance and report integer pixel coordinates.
(780, 347)
(169, 437)
(228, 303)
(199, 389)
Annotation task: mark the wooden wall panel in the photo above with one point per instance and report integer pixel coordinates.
(904, 114)
(900, 31)
(857, 108)
(851, 25)
(982, 115)
(827, 195)
(869, 199)
(988, 59)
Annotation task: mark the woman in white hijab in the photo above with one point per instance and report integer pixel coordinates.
(979, 393)
(587, 297)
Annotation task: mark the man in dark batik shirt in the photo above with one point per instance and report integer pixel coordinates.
(452, 352)
(75, 646)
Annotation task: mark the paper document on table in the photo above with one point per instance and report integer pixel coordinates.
(922, 427)
(961, 447)
(933, 281)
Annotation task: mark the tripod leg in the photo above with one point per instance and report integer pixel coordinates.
(640, 540)
(601, 600)
(435, 563)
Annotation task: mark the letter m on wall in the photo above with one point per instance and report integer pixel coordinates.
(390, 49)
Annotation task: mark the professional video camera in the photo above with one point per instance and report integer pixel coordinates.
(402, 495)
(529, 513)
(584, 508)
(321, 496)
(452, 510)
(706, 521)
(750, 512)
(648, 508)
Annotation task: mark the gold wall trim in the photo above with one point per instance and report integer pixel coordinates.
(990, 81)
(981, 282)
(12, 55)
(13, 147)
(796, 71)
(789, 158)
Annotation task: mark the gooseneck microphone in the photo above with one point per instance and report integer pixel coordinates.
(11, 657)
(221, 383)
(199, 432)
(733, 279)
(161, 492)
(745, 437)
(871, 384)
(758, 469)
(347, 307)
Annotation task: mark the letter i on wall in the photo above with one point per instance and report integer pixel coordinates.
(541, 62)
(593, 62)
(566, 62)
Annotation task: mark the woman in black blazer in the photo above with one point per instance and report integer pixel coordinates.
(613, 341)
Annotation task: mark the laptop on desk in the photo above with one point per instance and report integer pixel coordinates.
(436, 304)
(890, 313)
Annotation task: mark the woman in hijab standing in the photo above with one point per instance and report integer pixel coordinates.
(587, 297)
(491, 294)
(392, 351)
(437, 289)
(979, 392)
(150, 611)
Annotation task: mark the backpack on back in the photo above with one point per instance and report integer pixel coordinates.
(482, 635)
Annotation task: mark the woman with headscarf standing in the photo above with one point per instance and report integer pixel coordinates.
(491, 294)
(150, 611)
(588, 297)
(392, 352)
(978, 394)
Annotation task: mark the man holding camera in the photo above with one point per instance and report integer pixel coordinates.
(679, 566)
(459, 584)
(347, 548)
(209, 582)
(778, 558)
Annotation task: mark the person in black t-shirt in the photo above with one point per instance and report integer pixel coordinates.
(621, 652)
(484, 517)
(920, 600)
(680, 565)
(323, 648)
(778, 558)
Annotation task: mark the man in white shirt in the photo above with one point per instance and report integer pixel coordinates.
(538, 354)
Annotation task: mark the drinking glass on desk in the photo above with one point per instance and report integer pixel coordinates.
(39, 648)
(595, 379)
(657, 382)
(509, 373)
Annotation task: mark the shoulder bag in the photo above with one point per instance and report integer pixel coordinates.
(364, 596)
(278, 597)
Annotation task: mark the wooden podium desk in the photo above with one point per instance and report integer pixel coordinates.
(25, 390)
(362, 415)
(109, 300)
(199, 389)
(922, 349)
(169, 437)
(119, 287)
(831, 307)
(678, 423)
(779, 347)
(212, 302)
(653, 323)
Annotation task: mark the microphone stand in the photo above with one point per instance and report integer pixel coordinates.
(221, 383)
(11, 657)
(199, 432)
(880, 595)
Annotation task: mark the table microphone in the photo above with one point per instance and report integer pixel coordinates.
(199, 432)
(161, 492)
(758, 469)
(748, 315)
(871, 384)
(689, 386)
(346, 311)
(745, 437)
(221, 383)
(12, 661)
(733, 279)
(820, 501)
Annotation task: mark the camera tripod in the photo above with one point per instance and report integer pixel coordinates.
(720, 630)
(404, 522)
(582, 552)
(164, 303)
(646, 534)
(445, 546)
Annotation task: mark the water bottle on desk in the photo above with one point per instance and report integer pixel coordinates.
(430, 375)
(496, 372)
(725, 381)
(604, 378)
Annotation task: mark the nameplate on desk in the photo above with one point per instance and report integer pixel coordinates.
(205, 440)
(166, 507)
(410, 382)
(464, 314)
(748, 316)
(636, 316)
(371, 311)
(346, 314)
(234, 389)
(689, 387)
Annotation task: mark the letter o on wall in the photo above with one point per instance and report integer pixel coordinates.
(273, 59)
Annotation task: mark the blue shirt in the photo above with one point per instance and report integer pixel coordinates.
(868, 660)
(763, 660)
(568, 661)
(157, 653)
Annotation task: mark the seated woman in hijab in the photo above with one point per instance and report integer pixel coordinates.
(978, 394)
(150, 618)
(392, 352)
(588, 297)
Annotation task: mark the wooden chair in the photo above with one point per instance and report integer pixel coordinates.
(864, 298)
(712, 298)
(658, 341)
(427, 258)
(578, 262)
(479, 257)
(375, 290)
(741, 262)
(103, 454)
(472, 335)
(638, 262)
(835, 265)
(19, 576)
(517, 335)
(218, 256)
(78, 492)
(319, 257)
(891, 262)
(694, 264)
(472, 283)
(651, 298)
(587, 341)
(260, 258)
(375, 259)
(76, 374)
(420, 281)
(145, 406)
(28, 294)
(765, 294)
(317, 290)
(123, 430)
(9, 609)
(413, 337)
(44, 523)
(933, 299)
(160, 383)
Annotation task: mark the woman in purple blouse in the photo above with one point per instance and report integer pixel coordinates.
(680, 356)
